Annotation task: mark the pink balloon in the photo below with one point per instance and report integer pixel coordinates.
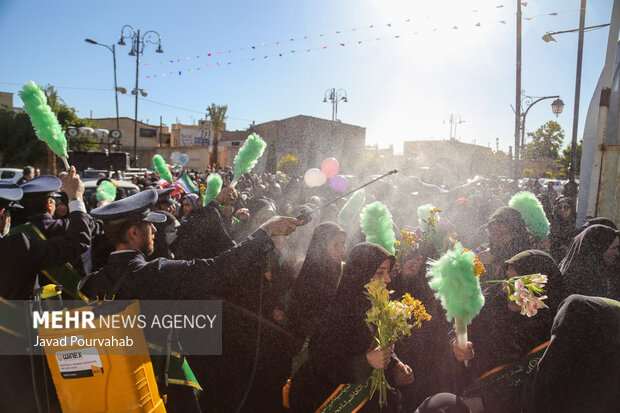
(339, 183)
(330, 167)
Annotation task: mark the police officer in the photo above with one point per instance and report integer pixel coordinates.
(128, 224)
(21, 257)
(128, 275)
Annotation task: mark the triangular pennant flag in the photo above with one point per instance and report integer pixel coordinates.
(524, 4)
(502, 21)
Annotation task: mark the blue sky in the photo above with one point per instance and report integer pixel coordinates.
(400, 89)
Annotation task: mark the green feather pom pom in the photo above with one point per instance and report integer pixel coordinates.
(351, 210)
(452, 277)
(45, 123)
(106, 191)
(532, 212)
(162, 169)
(377, 225)
(248, 155)
(424, 211)
(214, 186)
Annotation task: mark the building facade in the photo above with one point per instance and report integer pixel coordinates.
(312, 139)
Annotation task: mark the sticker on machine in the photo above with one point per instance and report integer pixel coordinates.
(84, 362)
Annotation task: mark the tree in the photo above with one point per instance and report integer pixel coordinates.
(564, 159)
(19, 145)
(217, 116)
(545, 142)
(68, 117)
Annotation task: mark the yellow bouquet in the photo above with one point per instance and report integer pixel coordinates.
(392, 319)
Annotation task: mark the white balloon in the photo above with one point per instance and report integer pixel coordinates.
(314, 177)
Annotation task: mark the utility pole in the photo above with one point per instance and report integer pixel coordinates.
(518, 94)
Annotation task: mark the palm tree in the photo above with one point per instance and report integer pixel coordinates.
(217, 116)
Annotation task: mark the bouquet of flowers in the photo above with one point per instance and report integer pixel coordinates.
(392, 319)
(526, 291)
(410, 241)
(428, 219)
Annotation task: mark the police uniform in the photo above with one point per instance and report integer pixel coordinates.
(36, 192)
(21, 257)
(163, 279)
(129, 275)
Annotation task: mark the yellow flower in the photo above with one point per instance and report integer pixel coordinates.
(373, 312)
(479, 268)
(435, 211)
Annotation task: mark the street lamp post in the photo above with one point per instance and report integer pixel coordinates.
(113, 50)
(557, 106)
(334, 96)
(137, 47)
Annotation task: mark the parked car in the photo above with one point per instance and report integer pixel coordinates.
(10, 174)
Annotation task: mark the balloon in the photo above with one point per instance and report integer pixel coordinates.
(314, 177)
(339, 183)
(330, 167)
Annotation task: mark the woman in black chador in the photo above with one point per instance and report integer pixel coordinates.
(318, 279)
(343, 348)
(589, 267)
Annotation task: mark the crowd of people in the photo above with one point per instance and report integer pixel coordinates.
(292, 283)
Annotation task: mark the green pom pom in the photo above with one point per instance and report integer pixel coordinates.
(351, 210)
(377, 225)
(424, 211)
(162, 169)
(43, 120)
(106, 191)
(248, 155)
(532, 212)
(214, 186)
(452, 277)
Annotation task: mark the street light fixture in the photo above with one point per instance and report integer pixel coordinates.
(557, 106)
(137, 48)
(334, 96)
(528, 101)
(116, 88)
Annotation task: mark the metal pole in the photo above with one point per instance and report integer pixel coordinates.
(118, 126)
(573, 152)
(525, 115)
(332, 97)
(518, 93)
(335, 107)
(135, 126)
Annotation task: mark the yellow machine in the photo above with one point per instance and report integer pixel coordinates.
(100, 379)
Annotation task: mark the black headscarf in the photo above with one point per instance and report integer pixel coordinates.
(598, 221)
(583, 268)
(512, 220)
(316, 283)
(562, 229)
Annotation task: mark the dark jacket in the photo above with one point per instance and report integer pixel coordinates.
(163, 279)
(21, 257)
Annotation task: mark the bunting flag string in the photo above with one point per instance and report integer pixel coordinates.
(281, 53)
(223, 52)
